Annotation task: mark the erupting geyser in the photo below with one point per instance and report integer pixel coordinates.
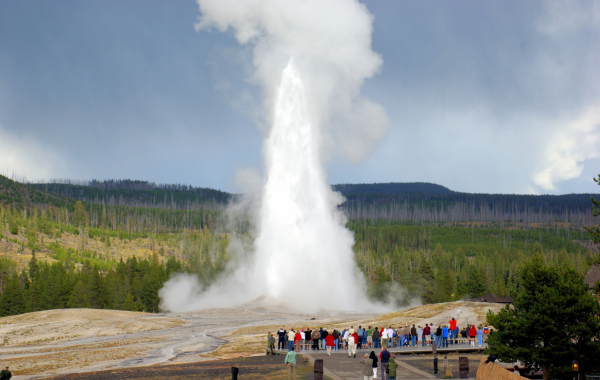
(302, 254)
(302, 247)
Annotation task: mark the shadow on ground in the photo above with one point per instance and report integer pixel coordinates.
(257, 367)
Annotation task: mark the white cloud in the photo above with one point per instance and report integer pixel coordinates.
(24, 156)
(568, 148)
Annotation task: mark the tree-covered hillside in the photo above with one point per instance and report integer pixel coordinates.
(113, 244)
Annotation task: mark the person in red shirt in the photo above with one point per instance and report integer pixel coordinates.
(451, 333)
(298, 340)
(329, 343)
(472, 334)
(426, 334)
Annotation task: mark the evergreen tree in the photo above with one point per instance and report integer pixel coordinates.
(33, 267)
(12, 300)
(79, 297)
(476, 284)
(554, 319)
(595, 231)
(79, 217)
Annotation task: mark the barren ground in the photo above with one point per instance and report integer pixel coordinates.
(82, 340)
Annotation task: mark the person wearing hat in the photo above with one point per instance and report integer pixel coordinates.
(5, 374)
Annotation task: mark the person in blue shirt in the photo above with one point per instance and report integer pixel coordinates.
(281, 334)
(479, 336)
(445, 336)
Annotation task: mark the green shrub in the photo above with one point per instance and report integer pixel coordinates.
(14, 229)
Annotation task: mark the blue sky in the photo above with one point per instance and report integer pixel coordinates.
(498, 97)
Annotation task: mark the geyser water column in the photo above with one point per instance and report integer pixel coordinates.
(303, 251)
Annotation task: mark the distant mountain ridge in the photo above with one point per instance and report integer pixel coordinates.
(392, 188)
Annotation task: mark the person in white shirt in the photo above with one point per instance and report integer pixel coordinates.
(351, 346)
(384, 337)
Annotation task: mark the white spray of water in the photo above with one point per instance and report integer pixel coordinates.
(302, 243)
(303, 253)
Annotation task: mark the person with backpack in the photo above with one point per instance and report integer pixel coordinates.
(281, 334)
(376, 337)
(384, 357)
(315, 339)
(5, 374)
(438, 336)
(390, 369)
(271, 342)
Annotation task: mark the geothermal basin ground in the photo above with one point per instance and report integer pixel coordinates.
(48, 343)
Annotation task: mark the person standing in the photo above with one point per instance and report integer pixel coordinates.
(445, 336)
(479, 336)
(384, 337)
(375, 361)
(407, 334)
(291, 336)
(281, 333)
(315, 339)
(420, 335)
(384, 357)
(336, 339)
(426, 333)
(390, 369)
(329, 343)
(452, 323)
(356, 339)
(413, 335)
(438, 336)
(367, 367)
(376, 337)
(290, 363)
(298, 341)
(5, 374)
(472, 335)
(321, 339)
(359, 332)
(271, 342)
(370, 337)
(351, 345)
(308, 337)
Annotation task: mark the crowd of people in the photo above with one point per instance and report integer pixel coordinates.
(377, 337)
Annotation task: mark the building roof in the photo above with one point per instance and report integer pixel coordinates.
(592, 276)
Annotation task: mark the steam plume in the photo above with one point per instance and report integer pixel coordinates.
(311, 58)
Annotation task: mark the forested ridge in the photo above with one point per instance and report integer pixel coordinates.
(112, 244)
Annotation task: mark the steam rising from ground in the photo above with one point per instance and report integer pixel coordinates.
(311, 58)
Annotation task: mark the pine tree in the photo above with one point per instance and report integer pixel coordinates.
(595, 231)
(476, 284)
(79, 297)
(79, 217)
(12, 301)
(554, 319)
(33, 267)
